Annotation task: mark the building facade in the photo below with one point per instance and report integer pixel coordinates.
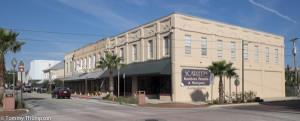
(36, 73)
(158, 53)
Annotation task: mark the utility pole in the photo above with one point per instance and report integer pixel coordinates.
(243, 94)
(295, 51)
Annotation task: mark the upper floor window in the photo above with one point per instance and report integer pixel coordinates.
(166, 42)
(90, 62)
(232, 50)
(256, 58)
(85, 62)
(219, 48)
(81, 63)
(95, 60)
(187, 44)
(74, 67)
(122, 52)
(113, 52)
(276, 56)
(204, 46)
(267, 54)
(246, 51)
(150, 48)
(67, 67)
(134, 52)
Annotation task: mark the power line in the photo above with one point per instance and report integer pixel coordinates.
(52, 32)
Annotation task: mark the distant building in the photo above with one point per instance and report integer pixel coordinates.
(36, 73)
(55, 72)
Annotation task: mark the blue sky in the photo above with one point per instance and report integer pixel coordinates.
(106, 18)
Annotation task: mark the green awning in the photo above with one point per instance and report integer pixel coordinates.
(151, 67)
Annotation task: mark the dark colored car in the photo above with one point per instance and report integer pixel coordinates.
(61, 92)
(41, 90)
(27, 89)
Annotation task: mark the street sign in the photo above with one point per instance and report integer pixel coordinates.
(211, 78)
(237, 82)
(236, 77)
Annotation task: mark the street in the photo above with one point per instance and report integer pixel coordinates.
(42, 105)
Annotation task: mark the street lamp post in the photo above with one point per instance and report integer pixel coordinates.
(14, 63)
(118, 67)
(21, 70)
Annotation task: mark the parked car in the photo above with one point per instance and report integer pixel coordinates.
(61, 92)
(27, 89)
(41, 90)
(16, 88)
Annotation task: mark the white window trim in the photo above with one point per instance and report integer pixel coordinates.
(166, 46)
(150, 49)
(245, 51)
(256, 53)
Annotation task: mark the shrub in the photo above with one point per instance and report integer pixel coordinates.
(234, 101)
(216, 101)
(225, 101)
(19, 103)
(249, 100)
(1, 101)
(48, 92)
(127, 100)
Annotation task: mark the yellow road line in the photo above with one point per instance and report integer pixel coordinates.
(59, 101)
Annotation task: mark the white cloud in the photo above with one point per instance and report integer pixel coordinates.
(99, 10)
(273, 11)
(138, 2)
(203, 2)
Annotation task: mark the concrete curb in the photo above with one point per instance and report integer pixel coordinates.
(230, 105)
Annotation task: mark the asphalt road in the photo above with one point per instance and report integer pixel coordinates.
(42, 105)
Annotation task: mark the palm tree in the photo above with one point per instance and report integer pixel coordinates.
(110, 62)
(8, 43)
(230, 73)
(220, 68)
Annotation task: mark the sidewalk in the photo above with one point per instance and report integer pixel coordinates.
(280, 99)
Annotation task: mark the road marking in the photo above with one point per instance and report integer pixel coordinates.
(59, 101)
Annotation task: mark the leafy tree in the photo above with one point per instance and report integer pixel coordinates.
(8, 43)
(220, 69)
(45, 84)
(289, 77)
(58, 83)
(110, 62)
(230, 73)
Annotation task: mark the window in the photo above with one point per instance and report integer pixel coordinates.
(246, 51)
(94, 60)
(150, 49)
(232, 45)
(90, 62)
(74, 67)
(134, 52)
(256, 53)
(267, 54)
(105, 54)
(166, 39)
(85, 62)
(77, 66)
(187, 44)
(276, 55)
(67, 67)
(204, 46)
(81, 63)
(219, 48)
(122, 52)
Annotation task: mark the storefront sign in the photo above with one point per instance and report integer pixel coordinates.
(195, 77)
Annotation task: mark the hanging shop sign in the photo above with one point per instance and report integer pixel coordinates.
(195, 77)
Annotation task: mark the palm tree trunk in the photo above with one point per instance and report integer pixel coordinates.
(2, 69)
(111, 82)
(221, 99)
(2, 72)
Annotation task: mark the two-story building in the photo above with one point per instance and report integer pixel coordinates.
(160, 55)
